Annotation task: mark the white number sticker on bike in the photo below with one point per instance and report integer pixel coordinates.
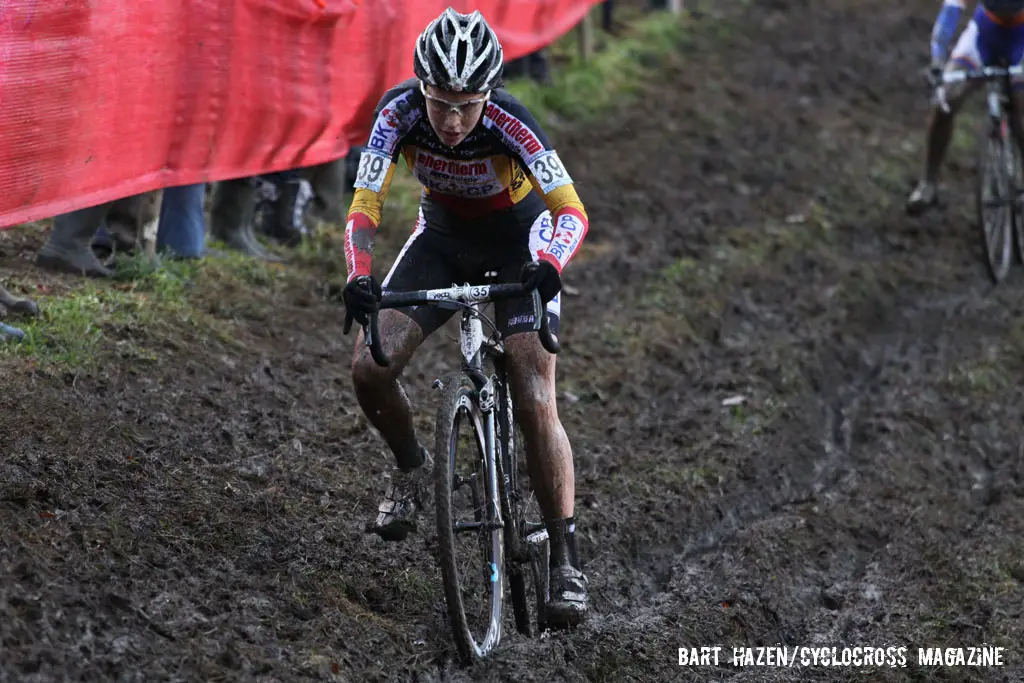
(549, 171)
(480, 292)
(373, 169)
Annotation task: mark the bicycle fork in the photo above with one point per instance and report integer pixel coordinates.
(485, 401)
(1005, 124)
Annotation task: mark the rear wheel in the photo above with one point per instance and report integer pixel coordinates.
(471, 551)
(995, 200)
(525, 536)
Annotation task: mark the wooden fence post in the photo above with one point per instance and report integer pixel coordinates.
(586, 34)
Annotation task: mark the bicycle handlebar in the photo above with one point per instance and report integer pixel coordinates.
(459, 294)
(986, 73)
(983, 74)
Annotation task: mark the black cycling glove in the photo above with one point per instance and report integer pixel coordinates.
(361, 295)
(543, 277)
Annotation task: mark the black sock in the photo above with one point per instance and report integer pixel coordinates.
(562, 541)
(413, 460)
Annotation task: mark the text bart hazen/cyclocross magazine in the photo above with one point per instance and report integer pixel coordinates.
(893, 656)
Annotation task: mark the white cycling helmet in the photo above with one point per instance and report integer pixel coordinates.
(459, 53)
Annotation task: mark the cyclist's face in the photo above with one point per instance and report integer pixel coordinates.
(453, 115)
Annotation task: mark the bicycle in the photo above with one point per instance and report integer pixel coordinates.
(999, 187)
(511, 533)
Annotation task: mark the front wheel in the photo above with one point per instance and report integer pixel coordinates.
(995, 199)
(471, 547)
(1016, 182)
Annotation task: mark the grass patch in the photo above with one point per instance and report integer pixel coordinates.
(753, 419)
(583, 90)
(963, 147)
(144, 310)
(994, 371)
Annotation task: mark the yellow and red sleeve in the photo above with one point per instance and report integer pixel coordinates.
(364, 216)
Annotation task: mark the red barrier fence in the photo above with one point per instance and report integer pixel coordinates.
(101, 99)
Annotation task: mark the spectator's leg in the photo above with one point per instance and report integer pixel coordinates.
(540, 69)
(122, 220)
(103, 239)
(607, 8)
(267, 191)
(231, 216)
(147, 223)
(281, 177)
(329, 182)
(288, 217)
(182, 224)
(290, 211)
(69, 246)
(516, 68)
(119, 230)
(352, 167)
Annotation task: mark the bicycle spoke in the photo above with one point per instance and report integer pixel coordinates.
(470, 545)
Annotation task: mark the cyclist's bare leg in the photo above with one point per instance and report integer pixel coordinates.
(531, 376)
(378, 390)
(940, 132)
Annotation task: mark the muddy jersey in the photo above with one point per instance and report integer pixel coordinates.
(506, 162)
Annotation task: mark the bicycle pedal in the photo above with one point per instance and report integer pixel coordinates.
(438, 384)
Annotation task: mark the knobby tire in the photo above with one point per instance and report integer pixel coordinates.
(992, 160)
(458, 403)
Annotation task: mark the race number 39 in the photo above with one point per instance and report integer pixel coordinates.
(373, 168)
(549, 171)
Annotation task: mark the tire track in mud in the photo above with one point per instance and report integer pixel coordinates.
(826, 454)
(868, 472)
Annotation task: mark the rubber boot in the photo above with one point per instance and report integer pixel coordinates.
(540, 68)
(267, 196)
(69, 247)
(330, 182)
(103, 240)
(231, 216)
(290, 216)
(17, 304)
(123, 220)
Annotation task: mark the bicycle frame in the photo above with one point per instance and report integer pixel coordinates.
(475, 347)
(524, 541)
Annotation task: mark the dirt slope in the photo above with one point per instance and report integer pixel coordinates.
(748, 241)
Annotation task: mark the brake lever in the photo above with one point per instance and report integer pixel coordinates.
(371, 333)
(541, 325)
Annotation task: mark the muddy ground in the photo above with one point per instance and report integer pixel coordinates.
(200, 519)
